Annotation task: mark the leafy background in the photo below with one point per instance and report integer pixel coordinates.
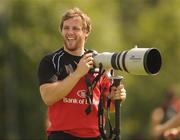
(29, 30)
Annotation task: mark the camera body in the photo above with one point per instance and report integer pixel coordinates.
(137, 61)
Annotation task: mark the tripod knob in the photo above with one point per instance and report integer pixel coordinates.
(116, 80)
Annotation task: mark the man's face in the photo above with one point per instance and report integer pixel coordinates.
(73, 34)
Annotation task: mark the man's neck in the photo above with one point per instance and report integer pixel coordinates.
(78, 52)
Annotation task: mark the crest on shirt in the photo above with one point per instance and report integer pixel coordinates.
(81, 93)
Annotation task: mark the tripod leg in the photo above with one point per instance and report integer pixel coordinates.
(117, 119)
(117, 130)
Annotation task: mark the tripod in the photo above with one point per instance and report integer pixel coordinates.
(117, 130)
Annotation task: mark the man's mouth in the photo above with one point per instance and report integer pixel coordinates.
(70, 38)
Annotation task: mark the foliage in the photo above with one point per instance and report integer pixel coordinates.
(29, 29)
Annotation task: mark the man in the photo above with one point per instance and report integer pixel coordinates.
(63, 83)
(166, 118)
(170, 129)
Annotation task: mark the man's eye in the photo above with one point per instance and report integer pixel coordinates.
(76, 28)
(65, 28)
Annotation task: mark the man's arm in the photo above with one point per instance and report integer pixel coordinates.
(172, 123)
(172, 133)
(53, 92)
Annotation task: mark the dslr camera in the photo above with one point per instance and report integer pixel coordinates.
(137, 61)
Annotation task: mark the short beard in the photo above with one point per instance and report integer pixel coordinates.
(70, 49)
(75, 46)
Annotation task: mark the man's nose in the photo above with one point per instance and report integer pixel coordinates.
(70, 31)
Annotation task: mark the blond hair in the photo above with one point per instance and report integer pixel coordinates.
(76, 12)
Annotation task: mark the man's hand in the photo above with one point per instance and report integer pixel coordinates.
(118, 93)
(173, 133)
(84, 64)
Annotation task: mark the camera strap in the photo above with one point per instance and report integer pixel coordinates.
(101, 111)
(102, 114)
(89, 95)
(90, 87)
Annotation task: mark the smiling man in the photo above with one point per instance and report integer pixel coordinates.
(63, 88)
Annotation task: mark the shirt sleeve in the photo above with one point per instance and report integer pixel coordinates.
(46, 71)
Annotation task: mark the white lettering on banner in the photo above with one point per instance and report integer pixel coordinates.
(81, 101)
(74, 101)
(70, 100)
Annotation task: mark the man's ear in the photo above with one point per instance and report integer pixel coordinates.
(86, 34)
